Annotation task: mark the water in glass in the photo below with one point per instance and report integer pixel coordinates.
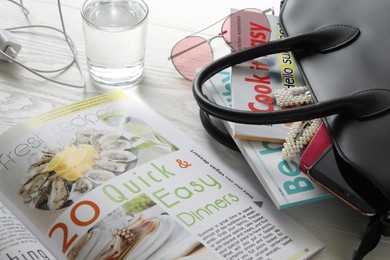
(115, 37)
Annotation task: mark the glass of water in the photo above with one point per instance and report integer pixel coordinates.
(115, 39)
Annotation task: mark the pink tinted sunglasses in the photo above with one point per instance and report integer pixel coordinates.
(240, 30)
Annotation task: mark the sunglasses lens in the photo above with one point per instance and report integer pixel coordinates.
(246, 28)
(191, 53)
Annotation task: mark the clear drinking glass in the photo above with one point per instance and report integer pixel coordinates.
(115, 39)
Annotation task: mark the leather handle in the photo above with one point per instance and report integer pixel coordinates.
(324, 39)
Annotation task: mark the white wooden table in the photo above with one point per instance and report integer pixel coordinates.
(23, 95)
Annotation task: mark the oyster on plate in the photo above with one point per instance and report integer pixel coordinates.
(93, 157)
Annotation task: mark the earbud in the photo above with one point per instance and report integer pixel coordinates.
(9, 47)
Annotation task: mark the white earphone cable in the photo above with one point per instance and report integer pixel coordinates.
(68, 40)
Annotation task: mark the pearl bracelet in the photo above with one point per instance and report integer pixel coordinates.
(301, 132)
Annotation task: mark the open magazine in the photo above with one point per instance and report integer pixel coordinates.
(253, 83)
(108, 178)
(284, 182)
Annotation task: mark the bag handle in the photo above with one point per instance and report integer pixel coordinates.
(379, 225)
(324, 39)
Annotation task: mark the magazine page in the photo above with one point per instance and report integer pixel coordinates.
(253, 83)
(284, 182)
(108, 178)
(16, 241)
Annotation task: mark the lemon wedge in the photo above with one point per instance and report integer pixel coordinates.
(73, 161)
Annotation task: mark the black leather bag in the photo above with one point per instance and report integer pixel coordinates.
(342, 50)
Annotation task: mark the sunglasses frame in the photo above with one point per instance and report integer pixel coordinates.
(221, 34)
(189, 49)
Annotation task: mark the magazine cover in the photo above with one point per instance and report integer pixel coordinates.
(253, 83)
(108, 178)
(284, 182)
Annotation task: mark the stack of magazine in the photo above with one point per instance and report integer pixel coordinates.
(249, 86)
